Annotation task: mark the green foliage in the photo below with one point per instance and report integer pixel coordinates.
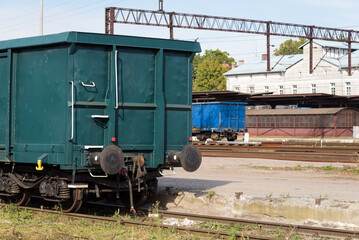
(208, 70)
(117, 214)
(218, 55)
(328, 168)
(210, 194)
(298, 167)
(209, 76)
(290, 47)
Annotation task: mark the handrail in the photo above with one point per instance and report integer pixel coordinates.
(72, 110)
(116, 79)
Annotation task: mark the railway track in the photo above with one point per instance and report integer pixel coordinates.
(257, 228)
(295, 153)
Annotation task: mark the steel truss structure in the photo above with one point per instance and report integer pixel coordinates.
(173, 20)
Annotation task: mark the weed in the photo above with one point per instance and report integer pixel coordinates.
(54, 217)
(346, 168)
(285, 195)
(117, 214)
(210, 194)
(325, 197)
(328, 168)
(269, 195)
(155, 207)
(298, 167)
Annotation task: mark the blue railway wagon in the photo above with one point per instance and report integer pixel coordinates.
(217, 120)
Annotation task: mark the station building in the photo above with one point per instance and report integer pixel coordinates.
(290, 73)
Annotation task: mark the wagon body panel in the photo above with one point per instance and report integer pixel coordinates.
(71, 93)
(218, 116)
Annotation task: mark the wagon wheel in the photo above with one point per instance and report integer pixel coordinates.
(233, 137)
(215, 136)
(74, 204)
(21, 199)
(201, 137)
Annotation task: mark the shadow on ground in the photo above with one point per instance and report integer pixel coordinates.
(174, 190)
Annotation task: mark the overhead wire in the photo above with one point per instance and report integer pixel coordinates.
(50, 17)
(35, 12)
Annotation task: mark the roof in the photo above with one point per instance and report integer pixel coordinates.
(295, 111)
(280, 63)
(342, 62)
(213, 96)
(101, 39)
(332, 44)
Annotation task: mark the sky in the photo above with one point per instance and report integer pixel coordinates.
(21, 18)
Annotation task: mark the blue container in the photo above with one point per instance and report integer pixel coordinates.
(218, 119)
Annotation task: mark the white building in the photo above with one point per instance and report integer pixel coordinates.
(290, 74)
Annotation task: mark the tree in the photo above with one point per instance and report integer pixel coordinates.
(210, 76)
(290, 47)
(208, 70)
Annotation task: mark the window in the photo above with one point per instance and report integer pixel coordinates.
(294, 89)
(325, 72)
(251, 89)
(281, 89)
(236, 88)
(299, 74)
(314, 88)
(348, 88)
(266, 88)
(332, 88)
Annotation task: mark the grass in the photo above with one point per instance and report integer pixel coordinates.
(244, 230)
(16, 223)
(344, 170)
(328, 168)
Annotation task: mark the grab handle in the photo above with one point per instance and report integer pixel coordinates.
(116, 79)
(88, 85)
(72, 110)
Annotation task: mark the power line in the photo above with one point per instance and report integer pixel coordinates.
(50, 17)
(35, 12)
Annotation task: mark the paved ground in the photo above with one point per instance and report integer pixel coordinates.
(272, 190)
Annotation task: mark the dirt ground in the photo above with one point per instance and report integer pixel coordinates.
(284, 191)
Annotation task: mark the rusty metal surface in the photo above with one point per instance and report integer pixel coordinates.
(290, 153)
(301, 229)
(204, 22)
(296, 111)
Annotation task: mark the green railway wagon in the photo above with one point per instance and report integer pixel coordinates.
(86, 115)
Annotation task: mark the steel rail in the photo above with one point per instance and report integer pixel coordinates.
(294, 228)
(126, 222)
(301, 229)
(312, 154)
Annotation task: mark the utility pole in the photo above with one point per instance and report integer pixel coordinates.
(160, 8)
(41, 17)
